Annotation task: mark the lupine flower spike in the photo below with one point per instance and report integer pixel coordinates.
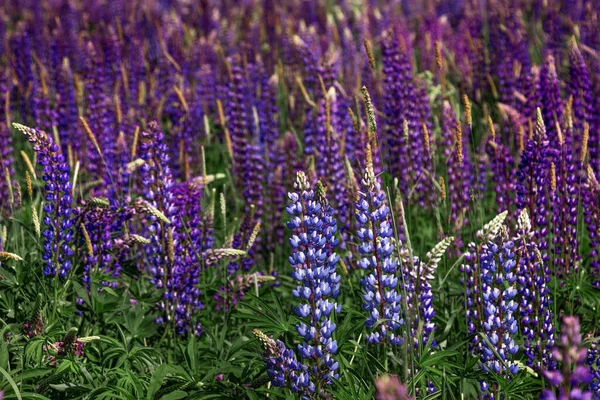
(314, 264)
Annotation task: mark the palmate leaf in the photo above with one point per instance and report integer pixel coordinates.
(156, 381)
(272, 319)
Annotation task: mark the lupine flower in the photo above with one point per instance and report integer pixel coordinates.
(405, 108)
(590, 190)
(416, 284)
(97, 233)
(248, 163)
(593, 363)
(503, 171)
(564, 201)
(551, 102)
(491, 302)
(533, 179)
(171, 267)
(580, 87)
(389, 387)
(58, 218)
(70, 345)
(189, 243)
(571, 380)
(314, 263)
(535, 315)
(381, 299)
(282, 366)
(329, 161)
(498, 305)
(396, 69)
(66, 109)
(157, 182)
(460, 174)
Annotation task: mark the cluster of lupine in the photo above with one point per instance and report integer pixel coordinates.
(143, 115)
(506, 287)
(490, 302)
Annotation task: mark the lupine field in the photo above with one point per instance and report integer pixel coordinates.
(309, 199)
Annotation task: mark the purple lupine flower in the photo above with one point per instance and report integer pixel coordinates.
(20, 46)
(460, 173)
(393, 106)
(590, 194)
(98, 258)
(407, 156)
(564, 202)
(188, 245)
(533, 179)
(580, 87)
(69, 345)
(58, 219)
(35, 325)
(157, 182)
(329, 161)
(551, 102)
(503, 173)
(282, 366)
(535, 315)
(314, 264)
(101, 118)
(248, 160)
(158, 185)
(429, 32)
(67, 112)
(572, 379)
(381, 299)
(426, 173)
(276, 194)
(532, 92)
(389, 387)
(44, 114)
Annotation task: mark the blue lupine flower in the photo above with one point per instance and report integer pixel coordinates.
(157, 182)
(497, 265)
(314, 262)
(282, 366)
(593, 363)
(58, 218)
(381, 298)
(534, 304)
(492, 304)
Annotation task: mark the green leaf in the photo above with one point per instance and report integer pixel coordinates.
(26, 395)
(3, 351)
(157, 379)
(11, 382)
(32, 373)
(176, 395)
